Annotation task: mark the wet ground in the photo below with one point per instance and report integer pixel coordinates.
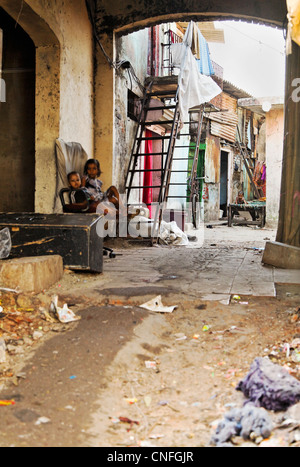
(125, 376)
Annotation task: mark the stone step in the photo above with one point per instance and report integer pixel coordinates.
(31, 274)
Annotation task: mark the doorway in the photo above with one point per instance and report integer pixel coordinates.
(224, 183)
(17, 118)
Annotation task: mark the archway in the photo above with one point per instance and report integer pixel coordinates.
(17, 119)
(45, 111)
(113, 21)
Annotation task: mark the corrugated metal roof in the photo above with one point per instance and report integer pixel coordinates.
(227, 118)
(227, 132)
(234, 90)
(224, 124)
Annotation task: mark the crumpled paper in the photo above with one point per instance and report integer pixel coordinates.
(64, 314)
(156, 305)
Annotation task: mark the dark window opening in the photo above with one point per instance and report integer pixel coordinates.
(134, 106)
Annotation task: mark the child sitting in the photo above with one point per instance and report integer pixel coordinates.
(240, 199)
(78, 196)
(91, 182)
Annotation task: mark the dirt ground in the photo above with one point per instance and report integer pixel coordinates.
(124, 376)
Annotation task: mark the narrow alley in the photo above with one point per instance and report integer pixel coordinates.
(125, 376)
(149, 225)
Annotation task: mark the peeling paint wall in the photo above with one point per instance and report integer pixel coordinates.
(212, 178)
(134, 48)
(274, 152)
(69, 21)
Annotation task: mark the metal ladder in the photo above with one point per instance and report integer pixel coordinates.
(167, 154)
(258, 192)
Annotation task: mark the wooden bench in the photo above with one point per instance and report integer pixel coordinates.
(257, 210)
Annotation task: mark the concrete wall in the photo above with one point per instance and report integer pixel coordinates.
(62, 34)
(274, 152)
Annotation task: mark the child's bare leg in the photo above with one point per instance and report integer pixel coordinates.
(114, 197)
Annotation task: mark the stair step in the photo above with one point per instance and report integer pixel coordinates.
(158, 122)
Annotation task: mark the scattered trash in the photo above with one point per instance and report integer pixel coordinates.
(156, 305)
(270, 386)
(131, 401)
(295, 314)
(73, 377)
(42, 421)
(206, 328)
(249, 422)
(236, 298)
(158, 436)
(4, 289)
(296, 356)
(147, 400)
(150, 365)
(65, 315)
(128, 420)
(286, 349)
(170, 233)
(180, 336)
(7, 403)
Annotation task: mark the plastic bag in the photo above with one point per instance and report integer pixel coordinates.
(5, 243)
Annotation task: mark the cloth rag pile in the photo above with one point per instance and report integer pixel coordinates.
(270, 386)
(242, 422)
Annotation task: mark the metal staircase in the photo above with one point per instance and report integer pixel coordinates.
(162, 96)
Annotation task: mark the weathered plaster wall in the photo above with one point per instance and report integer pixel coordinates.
(134, 48)
(274, 151)
(212, 178)
(104, 110)
(69, 21)
(62, 35)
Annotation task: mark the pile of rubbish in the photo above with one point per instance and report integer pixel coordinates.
(267, 387)
(24, 320)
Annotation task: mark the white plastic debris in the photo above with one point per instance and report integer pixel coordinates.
(42, 421)
(65, 315)
(5, 243)
(170, 233)
(156, 305)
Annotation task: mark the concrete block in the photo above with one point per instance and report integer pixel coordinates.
(33, 274)
(281, 255)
